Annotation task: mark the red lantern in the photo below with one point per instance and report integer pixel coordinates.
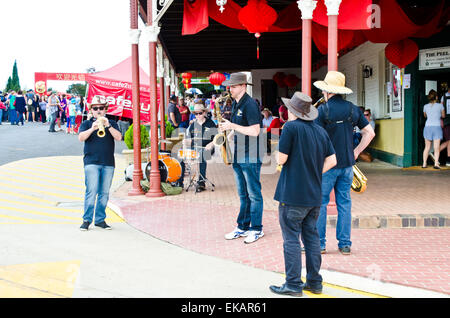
(186, 81)
(187, 86)
(216, 78)
(186, 75)
(402, 53)
(257, 16)
(279, 79)
(291, 80)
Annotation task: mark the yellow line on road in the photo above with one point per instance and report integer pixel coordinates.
(41, 176)
(58, 216)
(43, 185)
(59, 195)
(28, 197)
(43, 206)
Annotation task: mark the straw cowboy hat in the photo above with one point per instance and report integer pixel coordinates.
(236, 79)
(300, 106)
(98, 100)
(267, 110)
(199, 108)
(334, 82)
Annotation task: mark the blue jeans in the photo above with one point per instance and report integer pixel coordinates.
(248, 184)
(341, 180)
(98, 181)
(1, 116)
(296, 221)
(52, 121)
(13, 119)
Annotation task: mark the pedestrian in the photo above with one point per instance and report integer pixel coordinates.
(98, 162)
(246, 126)
(432, 132)
(184, 111)
(20, 105)
(338, 117)
(13, 118)
(30, 106)
(446, 130)
(43, 108)
(72, 112)
(226, 111)
(2, 109)
(305, 151)
(173, 112)
(53, 108)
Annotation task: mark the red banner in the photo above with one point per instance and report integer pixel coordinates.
(119, 97)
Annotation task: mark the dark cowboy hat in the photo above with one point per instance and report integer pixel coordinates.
(236, 79)
(300, 106)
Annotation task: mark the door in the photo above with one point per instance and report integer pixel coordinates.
(269, 92)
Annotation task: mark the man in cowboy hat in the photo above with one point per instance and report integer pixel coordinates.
(305, 151)
(338, 117)
(246, 124)
(98, 162)
(199, 136)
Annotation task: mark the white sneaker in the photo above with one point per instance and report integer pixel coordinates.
(253, 236)
(447, 163)
(237, 233)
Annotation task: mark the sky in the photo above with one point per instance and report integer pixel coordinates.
(64, 36)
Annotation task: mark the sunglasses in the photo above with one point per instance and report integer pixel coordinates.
(198, 113)
(98, 108)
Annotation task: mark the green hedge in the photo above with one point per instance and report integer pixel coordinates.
(128, 138)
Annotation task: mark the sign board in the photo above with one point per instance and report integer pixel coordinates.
(159, 8)
(437, 58)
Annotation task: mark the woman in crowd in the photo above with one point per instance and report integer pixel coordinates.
(184, 111)
(267, 119)
(43, 108)
(432, 133)
(226, 114)
(20, 106)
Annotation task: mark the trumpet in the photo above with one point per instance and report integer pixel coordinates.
(359, 183)
(101, 128)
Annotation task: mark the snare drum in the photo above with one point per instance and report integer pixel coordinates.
(188, 154)
(169, 169)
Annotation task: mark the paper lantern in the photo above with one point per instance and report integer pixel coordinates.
(186, 75)
(291, 80)
(279, 79)
(216, 78)
(402, 53)
(257, 16)
(187, 86)
(186, 81)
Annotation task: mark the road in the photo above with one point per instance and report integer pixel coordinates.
(43, 253)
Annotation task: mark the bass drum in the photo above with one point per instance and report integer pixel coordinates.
(169, 169)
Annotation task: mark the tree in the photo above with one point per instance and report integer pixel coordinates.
(13, 82)
(78, 89)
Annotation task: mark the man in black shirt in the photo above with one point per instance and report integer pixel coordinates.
(305, 151)
(174, 112)
(98, 162)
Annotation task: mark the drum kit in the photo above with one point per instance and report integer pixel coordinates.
(170, 168)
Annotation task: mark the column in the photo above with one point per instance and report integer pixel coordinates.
(306, 7)
(333, 12)
(155, 177)
(134, 38)
(161, 98)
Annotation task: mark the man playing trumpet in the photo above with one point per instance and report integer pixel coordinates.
(98, 134)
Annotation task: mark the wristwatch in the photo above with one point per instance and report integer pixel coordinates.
(108, 127)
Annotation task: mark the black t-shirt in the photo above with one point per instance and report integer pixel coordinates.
(246, 113)
(307, 145)
(172, 108)
(98, 151)
(339, 127)
(204, 134)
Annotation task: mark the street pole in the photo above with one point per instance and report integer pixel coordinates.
(155, 177)
(306, 7)
(134, 37)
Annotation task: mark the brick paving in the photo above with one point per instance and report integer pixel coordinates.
(400, 225)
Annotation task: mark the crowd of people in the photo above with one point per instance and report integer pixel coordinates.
(57, 110)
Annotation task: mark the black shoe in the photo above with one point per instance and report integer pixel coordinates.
(103, 225)
(85, 226)
(322, 250)
(313, 290)
(283, 290)
(346, 250)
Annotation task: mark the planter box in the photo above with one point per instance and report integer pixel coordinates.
(129, 155)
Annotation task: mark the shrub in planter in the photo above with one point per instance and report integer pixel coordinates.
(145, 141)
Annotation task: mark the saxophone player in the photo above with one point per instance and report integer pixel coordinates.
(199, 137)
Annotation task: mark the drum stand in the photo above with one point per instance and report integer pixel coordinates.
(193, 167)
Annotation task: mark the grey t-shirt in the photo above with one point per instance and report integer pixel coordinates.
(434, 112)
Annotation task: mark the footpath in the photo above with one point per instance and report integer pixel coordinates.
(400, 225)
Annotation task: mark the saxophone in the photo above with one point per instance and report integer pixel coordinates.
(359, 183)
(221, 139)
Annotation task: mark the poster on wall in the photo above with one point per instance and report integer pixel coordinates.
(396, 90)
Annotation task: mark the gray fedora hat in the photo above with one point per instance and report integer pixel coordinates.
(300, 106)
(236, 79)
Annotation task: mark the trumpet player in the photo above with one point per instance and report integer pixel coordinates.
(338, 117)
(98, 134)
